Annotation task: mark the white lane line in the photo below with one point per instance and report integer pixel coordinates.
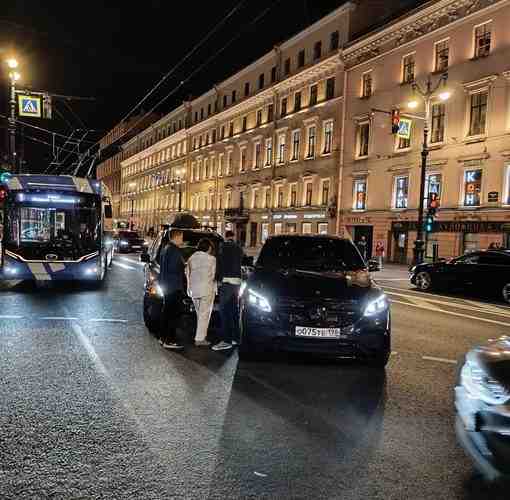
(127, 259)
(7, 316)
(479, 308)
(124, 266)
(451, 313)
(107, 320)
(58, 318)
(439, 360)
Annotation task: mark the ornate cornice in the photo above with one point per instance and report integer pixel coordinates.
(412, 27)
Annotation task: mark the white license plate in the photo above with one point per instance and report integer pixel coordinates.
(136, 246)
(322, 333)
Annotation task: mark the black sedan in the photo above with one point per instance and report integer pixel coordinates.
(485, 272)
(129, 241)
(482, 400)
(314, 294)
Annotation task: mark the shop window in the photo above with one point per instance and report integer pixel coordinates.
(471, 242)
(360, 194)
(401, 191)
(307, 228)
(323, 228)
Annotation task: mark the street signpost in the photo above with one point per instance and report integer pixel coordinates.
(29, 105)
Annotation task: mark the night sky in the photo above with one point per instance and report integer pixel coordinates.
(117, 52)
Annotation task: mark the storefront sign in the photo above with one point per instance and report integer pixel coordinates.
(315, 216)
(265, 217)
(358, 220)
(493, 197)
(290, 216)
(453, 226)
(277, 216)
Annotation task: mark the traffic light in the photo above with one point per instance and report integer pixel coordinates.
(429, 222)
(4, 176)
(395, 121)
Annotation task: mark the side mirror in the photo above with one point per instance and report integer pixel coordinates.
(144, 257)
(373, 266)
(248, 261)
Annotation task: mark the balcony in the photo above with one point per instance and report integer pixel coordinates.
(236, 214)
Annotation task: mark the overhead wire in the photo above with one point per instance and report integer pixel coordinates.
(200, 68)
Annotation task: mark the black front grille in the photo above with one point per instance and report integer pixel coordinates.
(318, 313)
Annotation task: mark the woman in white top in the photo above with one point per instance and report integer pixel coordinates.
(201, 271)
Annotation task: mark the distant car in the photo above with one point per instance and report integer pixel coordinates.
(314, 295)
(129, 241)
(482, 400)
(485, 272)
(153, 296)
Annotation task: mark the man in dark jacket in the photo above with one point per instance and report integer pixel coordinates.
(229, 264)
(172, 282)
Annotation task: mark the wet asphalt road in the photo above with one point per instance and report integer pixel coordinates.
(92, 407)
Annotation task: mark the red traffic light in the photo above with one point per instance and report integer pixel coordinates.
(433, 200)
(3, 193)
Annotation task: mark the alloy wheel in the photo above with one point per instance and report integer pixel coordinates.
(506, 293)
(424, 281)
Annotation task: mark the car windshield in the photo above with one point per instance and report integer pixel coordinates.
(129, 235)
(310, 254)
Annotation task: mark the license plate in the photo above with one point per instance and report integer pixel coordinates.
(322, 333)
(136, 246)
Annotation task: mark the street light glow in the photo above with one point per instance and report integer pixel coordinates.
(14, 75)
(412, 104)
(444, 96)
(12, 63)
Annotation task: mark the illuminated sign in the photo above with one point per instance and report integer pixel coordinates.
(404, 128)
(29, 106)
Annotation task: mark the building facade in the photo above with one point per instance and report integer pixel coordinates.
(300, 141)
(469, 161)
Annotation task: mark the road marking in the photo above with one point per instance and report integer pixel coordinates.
(58, 318)
(124, 266)
(127, 259)
(7, 316)
(479, 308)
(439, 360)
(107, 320)
(451, 313)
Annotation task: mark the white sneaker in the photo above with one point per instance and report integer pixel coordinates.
(235, 342)
(222, 346)
(173, 345)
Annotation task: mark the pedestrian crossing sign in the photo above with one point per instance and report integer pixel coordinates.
(29, 105)
(404, 128)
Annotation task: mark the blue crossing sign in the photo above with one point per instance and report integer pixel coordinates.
(29, 105)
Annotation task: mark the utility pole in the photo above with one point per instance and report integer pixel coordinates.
(14, 76)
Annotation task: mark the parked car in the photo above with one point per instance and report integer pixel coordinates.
(129, 241)
(482, 400)
(314, 294)
(153, 298)
(485, 272)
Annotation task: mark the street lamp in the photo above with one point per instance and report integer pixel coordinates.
(132, 185)
(14, 76)
(427, 94)
(178, 181)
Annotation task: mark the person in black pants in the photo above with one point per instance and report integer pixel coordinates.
(172, 282)
(229, 275)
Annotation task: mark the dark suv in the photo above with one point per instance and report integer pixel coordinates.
(129, 241)
(314, 294)
(153, 297)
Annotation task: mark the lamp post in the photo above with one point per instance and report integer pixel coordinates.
(132, 185)
(427, 94)
(14, 76)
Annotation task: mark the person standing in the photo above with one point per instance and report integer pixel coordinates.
(201, 272)
(379, 252)
(171, 280)
(362, 247)
(229, 276)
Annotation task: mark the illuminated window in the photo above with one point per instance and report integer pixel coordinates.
(366, 85)
(438, 116)
(360, 194)
(478, 113)
(401, 191)
(363, 139)
(408, 66)
(472, 187)
(442, 54)
(483, 40)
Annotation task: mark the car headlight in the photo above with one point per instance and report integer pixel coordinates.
(412, 270)
(10, 270)
(480, 385)
(376, 306)
(124, 243)
(91, 270)
(156, 289)
(258, 301)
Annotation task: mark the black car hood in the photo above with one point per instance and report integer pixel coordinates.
(494, 358)
(303, 284)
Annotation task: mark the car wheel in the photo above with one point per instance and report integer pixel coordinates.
(423, 281)
(149, 322)
(506, 293)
